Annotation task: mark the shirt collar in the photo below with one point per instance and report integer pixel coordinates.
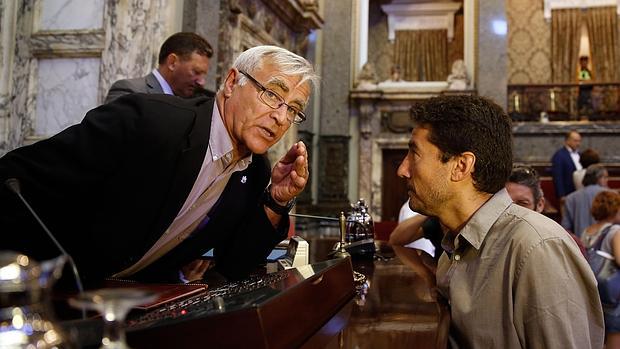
(220, 142)
(478, 226)
(162, 82)
(570, 150)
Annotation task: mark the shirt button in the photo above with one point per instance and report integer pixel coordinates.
(457, 257)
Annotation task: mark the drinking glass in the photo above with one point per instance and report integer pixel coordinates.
(113, 304)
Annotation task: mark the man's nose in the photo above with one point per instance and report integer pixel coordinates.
(279, 114)
(403, 169)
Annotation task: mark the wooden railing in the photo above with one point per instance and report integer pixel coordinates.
(564, 102)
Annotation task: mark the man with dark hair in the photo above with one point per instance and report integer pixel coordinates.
(183, 65)
(524, 188)
(576, 215)
(513, 277)
(564, 162)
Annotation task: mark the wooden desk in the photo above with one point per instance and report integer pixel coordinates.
(396, 309)
(399, 307)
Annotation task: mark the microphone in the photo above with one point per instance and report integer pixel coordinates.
(13, 185)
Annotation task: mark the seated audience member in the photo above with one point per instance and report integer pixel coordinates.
(586, 158)
(524, 188)
(606, 212)
(183, 65)
(505, 270)
(576, 211)
(145, 185)
(421, 243)
(418, 227)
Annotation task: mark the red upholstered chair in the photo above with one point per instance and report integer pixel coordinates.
(384, 229)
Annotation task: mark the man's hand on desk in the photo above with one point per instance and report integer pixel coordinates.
(195, 270)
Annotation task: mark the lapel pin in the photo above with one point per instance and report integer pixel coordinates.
(244, 179)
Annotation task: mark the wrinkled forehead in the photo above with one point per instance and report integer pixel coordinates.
(290, 86)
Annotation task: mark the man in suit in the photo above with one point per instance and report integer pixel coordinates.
(564, 162)
(576, 215)
(183, 64)
(147, 184)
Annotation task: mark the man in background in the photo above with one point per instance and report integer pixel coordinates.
(564, 162)
(513, 277)
(576, 216)
(524, 188)
(183, 65)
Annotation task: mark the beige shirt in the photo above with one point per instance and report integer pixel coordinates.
(216, 170)
(516, 279)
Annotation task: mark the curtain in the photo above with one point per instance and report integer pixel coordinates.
(565, 38)
(602, 26)
(422, 55)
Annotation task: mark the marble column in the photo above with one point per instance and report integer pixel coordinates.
(337, 76)
(20, 101)
(367, 113)
(8, 11)
(492, 64)
(203, 18)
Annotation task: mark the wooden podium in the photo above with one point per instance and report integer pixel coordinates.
(282, 310)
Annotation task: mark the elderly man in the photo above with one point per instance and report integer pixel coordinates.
(145, 185)
(564, 162)
(576, 215)
(183, 65)
(513, 277)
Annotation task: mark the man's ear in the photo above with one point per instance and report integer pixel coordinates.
(229, 83)
(540, 205)
(463, 166)
(172, 61)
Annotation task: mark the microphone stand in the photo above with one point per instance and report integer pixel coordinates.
(13, 185)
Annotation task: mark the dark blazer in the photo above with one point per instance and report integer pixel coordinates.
(562, 168)
(110, 186)
(145, 84)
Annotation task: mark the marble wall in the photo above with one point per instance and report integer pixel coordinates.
(60, 56)
(134, 32)
(65, 92)
(529, 43)
(535, 143)
(68, 15)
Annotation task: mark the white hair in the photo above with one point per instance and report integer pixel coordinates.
(285, 61)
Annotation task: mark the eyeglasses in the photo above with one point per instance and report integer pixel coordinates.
(274, 101)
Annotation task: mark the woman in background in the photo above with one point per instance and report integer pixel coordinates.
(606, 212)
